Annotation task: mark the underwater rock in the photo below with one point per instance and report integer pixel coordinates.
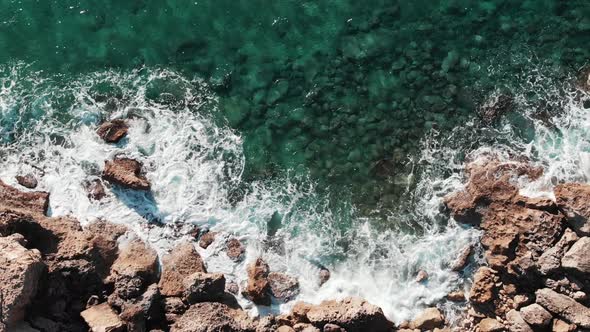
(258, 287)
(125, 172)
(102, 318)
(20, 272)
(352, 313)
(182, 262)
(282, 286)
(202, 287)
(583, 81)
(572, 199)
(27, 181)
(495, 107)
(213, 316)
(113, 131)
(35, 202)
(324, 275)
(235, 250)
(95, 189)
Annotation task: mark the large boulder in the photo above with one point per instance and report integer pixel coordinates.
(282, 286)
(572, 199)
(564, 307)
(135, 268)
(35, 202)
(102, 318)
(182, 262)
(550, 260)
(213, 316)
(258, 287)
(429, 319)
(352, 313)
(202, 287)
(516, 323)
(126, 172)
(113, 131)
(20, 271)
(536, 315)
(483, 288)
(578, 257)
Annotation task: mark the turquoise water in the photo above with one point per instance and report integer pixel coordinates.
(332, 114)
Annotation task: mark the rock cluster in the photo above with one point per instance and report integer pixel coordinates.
(538, 272)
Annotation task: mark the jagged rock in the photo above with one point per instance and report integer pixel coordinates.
(482, 290)
(564, 307)
(20, 271)
(113, 131)
(95, 189)
(352, 313)
(490, 325)
(182, 262)
(456, 296)
(201, 287)
(101, 318)
(561, 326)
(213, 316)
(462, 259)
(126, 173)
(139, 311)
(324, 275)
(298, 314)
(578, 258)
(135, 268)
(258, 287)
(421, 276)
(572, 199)
(282, 286)
(536, 315)
(550, 260)
(268, 323)
(516, 323)
(174, 305)
(235, 250)
(429, 319)
(35, 202)
(27, 181)
(207, 239)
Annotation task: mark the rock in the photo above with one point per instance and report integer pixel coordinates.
(27, 181)
(207, 239)
(561, 326)
(282, 286)
(174, 305)
(456, 296)
(126, 173)
(577, 258)
(182, 262)
(101, 318)
(324, 275)
(232, 287)
(235, 250)
(303, 327)
(550, 260)
(490, 325)
(212, 316)
(495, 107)
(429, 319)
(35, 202)
(20, 271)
(113, 131)
(333, 328)
(285, 328)
(201, 287)
(145, 308)
(564, 307)
(536, 315)
(516, 323)
(421, 276)
(95, 189)
(572, 199)
(134, 269)
(462, 259)
(352, 313)
(258, 287)
(482, 290)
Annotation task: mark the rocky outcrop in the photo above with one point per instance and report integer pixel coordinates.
(212, 316)
(31, 202)
(125, 172)
(27, 181)
(181, 263)
(550, 260)
(352, 313)
(564, 307)
(113, 131)
(20, 271)
(258, 287)
(572, 199)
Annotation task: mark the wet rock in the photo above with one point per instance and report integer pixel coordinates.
(550, 260)
(462, 260)
(564, 307)
(456, 296)
(516, 323)
(27, 181)
(282, 286)
(235, 250)
(232, 288)
(421, 276)
(490, 325)
(572, 199)
(20, 272)
(352, 313)
(482, 290)
(201, 287)
(577, 258)
(135, 268)
(101, 318)
(258, 287)
(429, 319)
(95, 189)
(324, 275)
(536, 315)
(113, 131)
(30, 202)
(126, 172)
(207, 239)
(182, 262)
(213, 316)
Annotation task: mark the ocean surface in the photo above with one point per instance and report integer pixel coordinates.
(320, 133)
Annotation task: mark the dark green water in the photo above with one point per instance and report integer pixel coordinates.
(344, 89)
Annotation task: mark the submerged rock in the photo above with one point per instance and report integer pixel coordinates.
(182, 262)
(201, 287)
(126, 172)
(113, 131)
(207, 239)
(27, 181)
(95, 189)
(494, 108)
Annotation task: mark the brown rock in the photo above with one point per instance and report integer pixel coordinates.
(564, 307)
(135, 268)
(27, 181)
(550, 260)
(95, 189)
(456, 296)
(35, 202)
(421, 276)
(207, 239)
(285, 328)
(577, 258)
(258, 287)
(113, 131)
(101, 318)
(572, 199)
(333, 328)
(490, 325)
(303, 327)
(142, 310)
(483, 287)
(536, 315)
(429, 319)
(516, 323)
(182, 262)
(125, 172)
(232, 287)
(561, 326)
(212, 316)
(201, 287)
(20, 271)
(324, 275)
(235, 250)
(282, 286)
(462, 259)
(352, 313)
